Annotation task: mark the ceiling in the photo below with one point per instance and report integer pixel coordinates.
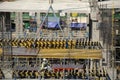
(81, 6)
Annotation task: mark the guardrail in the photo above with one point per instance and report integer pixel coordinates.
(43, 34)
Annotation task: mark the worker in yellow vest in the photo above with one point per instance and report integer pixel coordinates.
(57, 43)
(44, 43)
(60, 44)
(73, 43)
(69, 44)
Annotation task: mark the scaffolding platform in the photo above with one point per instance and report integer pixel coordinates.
(22, 51)
(56, 53)
(70, 53)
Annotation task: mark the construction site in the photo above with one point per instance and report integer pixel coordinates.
(59, 40)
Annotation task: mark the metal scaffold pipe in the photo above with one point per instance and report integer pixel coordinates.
(112, 46)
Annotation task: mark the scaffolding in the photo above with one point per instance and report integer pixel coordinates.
(22, 62)
(5, 34)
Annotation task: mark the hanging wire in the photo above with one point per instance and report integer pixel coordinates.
(51, 2)
(50, 8)
(57, 20)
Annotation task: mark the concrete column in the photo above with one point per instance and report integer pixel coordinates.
(68, 32)
(100, 63)
(38, 19)
(19, 23)
(16, 22)
(91, 64)
(95, 32)
(95, 19)
(87, 33)
(105, 53)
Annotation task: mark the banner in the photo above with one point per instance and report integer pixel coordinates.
(62, 14)
(74, 14)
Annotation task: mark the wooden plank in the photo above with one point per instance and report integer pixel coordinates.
(64, 53)
(73, 53)
(69, 51)
(1, 51)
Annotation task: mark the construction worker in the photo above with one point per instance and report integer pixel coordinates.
(26, 74)
(89, 44)
(44, 43)
(55, 43)
(66, 44)
(13, 42)
(95, 45)
(92, 45)
(58, 74)
(49, 44)
(29, 43)
(69, 44)
(46, 46)
(45, 65)
(80, 44)
(41, 43)
(25, 43)
(36, 74)
(63, 46)
(73, 42)
(60, 44)
(77, 44)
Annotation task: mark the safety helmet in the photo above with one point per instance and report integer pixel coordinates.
(44, 59)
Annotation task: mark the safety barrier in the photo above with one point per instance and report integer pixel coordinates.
(52, 44)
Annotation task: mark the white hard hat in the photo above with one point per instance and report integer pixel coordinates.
(44, 59)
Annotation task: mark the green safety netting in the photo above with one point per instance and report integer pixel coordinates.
(12, 15)
(117, 16)
(26, 16)
(27, 25)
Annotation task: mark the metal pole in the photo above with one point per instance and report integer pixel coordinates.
(112, 46)
(64, 70)
(43, 22)
(39, 69)
(3, 25)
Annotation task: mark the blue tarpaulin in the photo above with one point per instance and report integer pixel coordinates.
(78, 25)
(53, 25)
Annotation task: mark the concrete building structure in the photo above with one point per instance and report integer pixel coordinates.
(98, 16)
